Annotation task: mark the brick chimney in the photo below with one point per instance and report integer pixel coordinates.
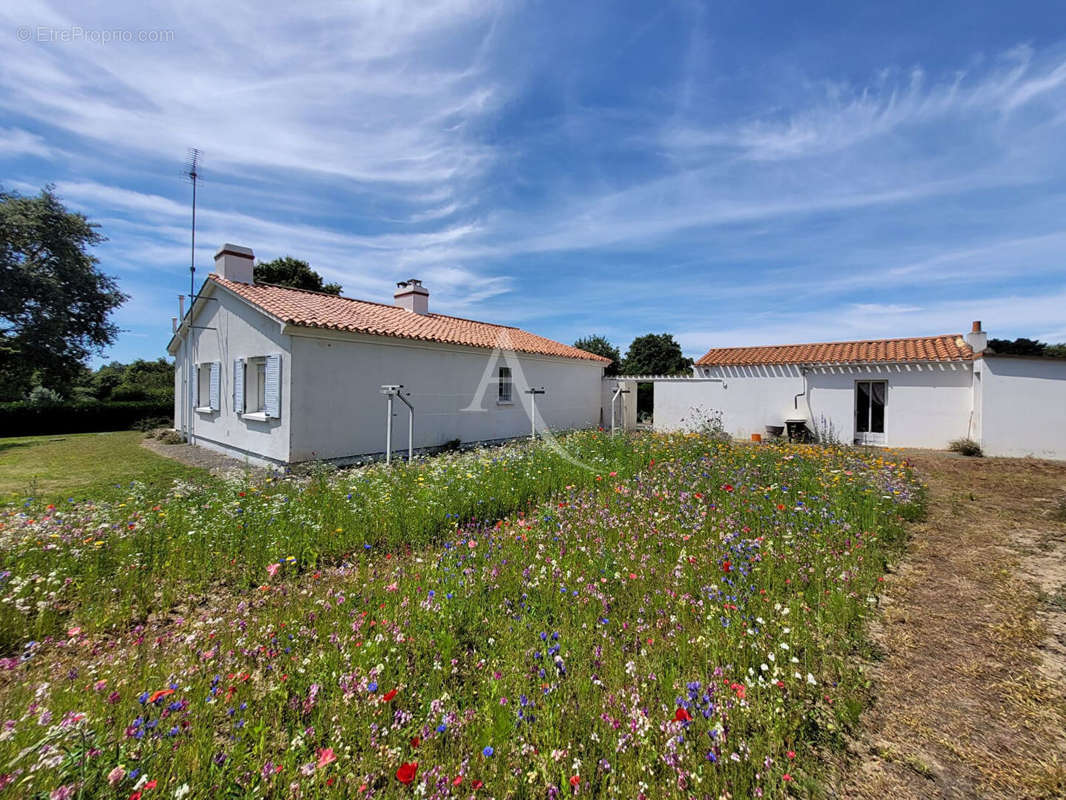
(977, 338)
(412, 295)
(235, 263)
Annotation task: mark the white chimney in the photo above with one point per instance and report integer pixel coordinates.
(235, 263)
(977, 338)
(412, 295)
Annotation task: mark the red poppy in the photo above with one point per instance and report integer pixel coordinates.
(406, 773)
(416, 741)
(726, 566)
(458, 780)
(151, 784)
(477, 784)
(728, 487)
(159, 695)
(682, 715)
(575, 780)
(135, 796)
(387, 697)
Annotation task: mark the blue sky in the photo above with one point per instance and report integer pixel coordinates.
(731, 172)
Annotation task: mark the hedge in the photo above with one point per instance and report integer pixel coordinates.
(23, 419)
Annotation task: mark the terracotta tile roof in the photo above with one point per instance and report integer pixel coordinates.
(950, 347)
(316, 310)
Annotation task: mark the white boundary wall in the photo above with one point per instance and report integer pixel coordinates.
(928, 405)
(1022, 406)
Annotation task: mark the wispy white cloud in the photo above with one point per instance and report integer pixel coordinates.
(473, 144)
(16, 142)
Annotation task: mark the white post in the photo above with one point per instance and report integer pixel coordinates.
(391, 391)
(618, 392)
(533, 411)
(388, 431)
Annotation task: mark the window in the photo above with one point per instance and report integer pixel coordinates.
(203, 386)
(208, 377)
(504, 395)
(255, 386)
(258, 396)
(870, 399)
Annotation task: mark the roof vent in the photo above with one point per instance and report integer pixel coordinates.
(412, 295)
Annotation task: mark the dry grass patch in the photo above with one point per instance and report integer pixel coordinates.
(969, 700)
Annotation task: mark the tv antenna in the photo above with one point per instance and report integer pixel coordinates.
(192, 172)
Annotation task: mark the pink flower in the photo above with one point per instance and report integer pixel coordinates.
(472, 544)
(115, 775)
(326, 756)
(272, 570)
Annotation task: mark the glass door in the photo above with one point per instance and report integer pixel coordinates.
(870, 397)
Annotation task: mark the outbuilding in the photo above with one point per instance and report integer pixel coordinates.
(275, 375)
(911, 392)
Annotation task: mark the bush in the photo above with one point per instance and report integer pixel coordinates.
(171, 437)
(26, 419)
(966, 447)
(148, 424)
(43, 397)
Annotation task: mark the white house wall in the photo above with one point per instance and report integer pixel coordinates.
(928, 405)
(238, 331)
(338, 409)
(1023, 406)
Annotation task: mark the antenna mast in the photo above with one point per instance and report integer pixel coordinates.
(192, 172)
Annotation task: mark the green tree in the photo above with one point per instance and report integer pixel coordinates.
(138, 380)
(655, 354)
(293, 272)
(601, 347)
(55, 304)
(1017, 347)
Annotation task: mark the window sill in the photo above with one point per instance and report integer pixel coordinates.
(258, 416)
(505, 402)
(204, 410)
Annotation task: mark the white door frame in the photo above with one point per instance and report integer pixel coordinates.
(867, 436)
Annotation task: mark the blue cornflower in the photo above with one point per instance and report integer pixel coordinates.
(488, 751)
(373, 687)
(442, 728)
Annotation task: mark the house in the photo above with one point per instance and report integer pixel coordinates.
(276, 375)
(915, 392)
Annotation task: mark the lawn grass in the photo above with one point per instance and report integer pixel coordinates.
(99, 466)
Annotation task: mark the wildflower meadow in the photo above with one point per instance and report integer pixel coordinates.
(638, 616)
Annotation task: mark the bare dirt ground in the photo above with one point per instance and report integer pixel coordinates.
(970, 697)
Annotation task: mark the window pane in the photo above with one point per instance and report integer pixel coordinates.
(862, 407)
(877, 407)
(505, 384)
(260, 386)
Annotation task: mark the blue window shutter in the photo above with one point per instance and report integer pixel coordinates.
(216, 381)
(238, 386)
(273, 386)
